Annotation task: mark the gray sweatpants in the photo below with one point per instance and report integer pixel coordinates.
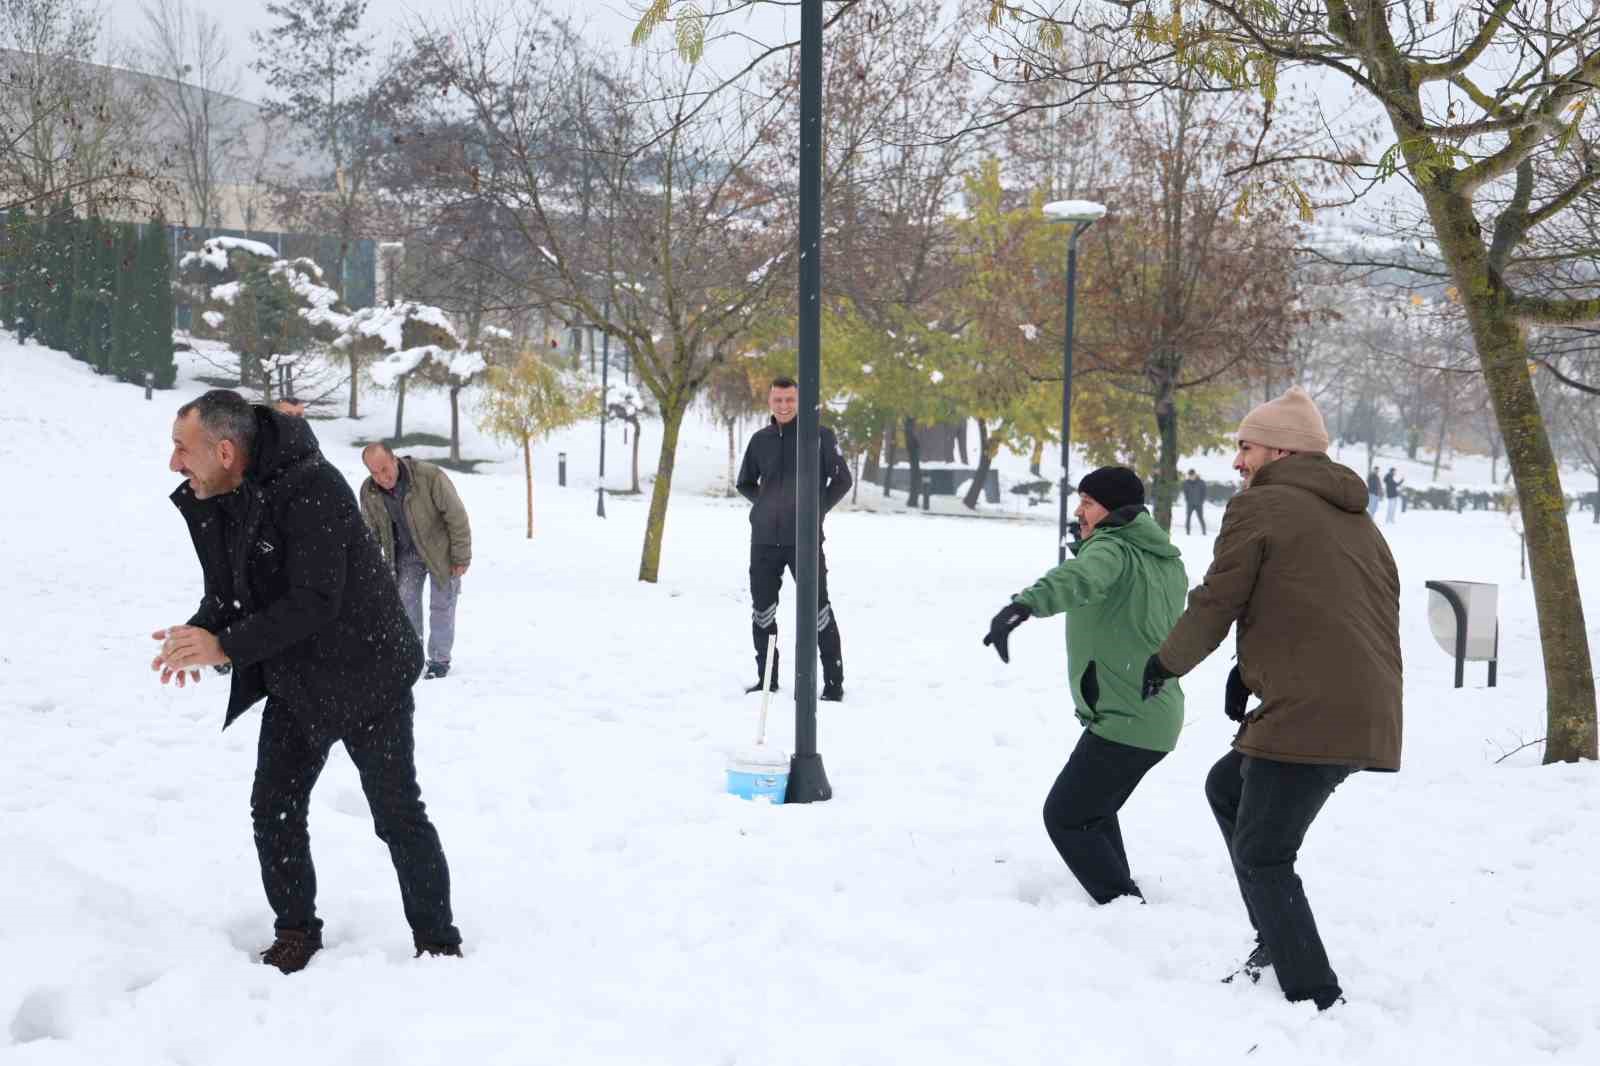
(441, 605)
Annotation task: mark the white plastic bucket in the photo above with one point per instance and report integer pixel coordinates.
(759, 775)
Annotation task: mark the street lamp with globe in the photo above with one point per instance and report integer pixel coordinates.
(1080, 215)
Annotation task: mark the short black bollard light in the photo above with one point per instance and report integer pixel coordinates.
(149, 383)
(561, 475)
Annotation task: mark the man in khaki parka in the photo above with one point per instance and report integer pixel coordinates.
(1302, 570)
(423, 530)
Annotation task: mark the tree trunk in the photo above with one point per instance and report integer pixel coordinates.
(400, 411)
(733, 476)
(455, 423)
(1444, 430)
(870, 464)
(1503, 355)
(888, 474)
(914, 458)
(987, 450)
(855, 485)
(1036, 460)
(656, 524)
(636, 435)
(527, 469)
(355, 383)
(1166, 486)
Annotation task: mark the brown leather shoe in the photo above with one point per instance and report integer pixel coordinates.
(292, 950)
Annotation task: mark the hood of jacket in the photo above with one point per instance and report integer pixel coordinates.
(281, 442)
(1134, 527)
(1317, 474)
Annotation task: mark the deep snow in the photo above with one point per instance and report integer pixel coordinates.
(619, 908)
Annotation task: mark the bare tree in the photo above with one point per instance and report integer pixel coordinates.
(1577, 423)
(1186, 292)
(638, 210)
(67, 125)
(196, 88)
(1488, 104)
(342, 105)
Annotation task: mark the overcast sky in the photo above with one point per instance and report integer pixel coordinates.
(603, 21)
(608, 22)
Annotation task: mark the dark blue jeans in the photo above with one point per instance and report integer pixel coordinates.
(1264, 809)
(1080, 814)
(288, 762)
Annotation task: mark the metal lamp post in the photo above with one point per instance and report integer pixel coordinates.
(808, 781)
(1080, 214)
(605, 401)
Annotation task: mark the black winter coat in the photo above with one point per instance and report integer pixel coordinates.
(767, 479)
(1194, 492)
(296, 588)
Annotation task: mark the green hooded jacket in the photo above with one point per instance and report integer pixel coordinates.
(1122, 594)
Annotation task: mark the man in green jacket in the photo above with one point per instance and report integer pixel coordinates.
(1122, 593)
(422, 528)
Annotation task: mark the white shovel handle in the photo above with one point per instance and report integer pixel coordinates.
(766, 688)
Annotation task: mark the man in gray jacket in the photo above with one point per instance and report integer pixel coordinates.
(422, 527)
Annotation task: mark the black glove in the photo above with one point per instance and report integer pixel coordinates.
(1074, 539)
(1155, 676)
(1233, 703)
(1009, 618)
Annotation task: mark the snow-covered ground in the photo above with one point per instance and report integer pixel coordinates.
(618, 907)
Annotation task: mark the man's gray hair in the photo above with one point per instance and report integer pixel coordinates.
(226, 416)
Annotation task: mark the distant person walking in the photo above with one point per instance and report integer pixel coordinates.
(421, 525)
(1194, 500)
(1391, 487)
(1374, 492)
(1121, 593)
(767, 480)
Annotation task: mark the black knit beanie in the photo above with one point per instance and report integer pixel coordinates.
(1113, 487)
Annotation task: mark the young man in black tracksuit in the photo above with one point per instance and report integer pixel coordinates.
(767, 480)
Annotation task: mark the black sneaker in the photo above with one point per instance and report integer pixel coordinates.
(292, 950)
(833, 692)
(1258, 961)
(435, 670)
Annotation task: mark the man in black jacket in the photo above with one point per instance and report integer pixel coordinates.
(299, 605)
(767, 480)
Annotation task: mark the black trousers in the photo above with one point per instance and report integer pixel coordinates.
(767, 564)
(1264, 809)
(1080, 814)
(1194, 511)
(288, 762)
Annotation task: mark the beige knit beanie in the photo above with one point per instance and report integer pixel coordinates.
(1291, 422)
